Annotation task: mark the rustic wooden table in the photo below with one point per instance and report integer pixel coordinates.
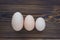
(48, 9)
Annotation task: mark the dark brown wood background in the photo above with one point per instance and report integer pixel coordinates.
(48, 9)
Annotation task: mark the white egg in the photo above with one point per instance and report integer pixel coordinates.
(29, 23)
(17, 21)
(40, 24)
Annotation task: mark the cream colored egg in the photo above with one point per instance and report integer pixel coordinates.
(40, 24)
(29, 23)
(17, 21)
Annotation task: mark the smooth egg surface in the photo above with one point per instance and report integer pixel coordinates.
(29, 23)
(17, 21)
(40, 24)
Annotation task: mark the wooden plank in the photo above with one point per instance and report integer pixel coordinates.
(31, 9)
(21, 2)
(28, 9)
(30, 2)
(29, 39)
(24, 2)
(21, 39)
(51, 31)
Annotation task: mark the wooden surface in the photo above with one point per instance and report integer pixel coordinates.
(48, 9)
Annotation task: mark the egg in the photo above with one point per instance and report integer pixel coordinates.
(40, 24)
(29, 23)
(17, 21)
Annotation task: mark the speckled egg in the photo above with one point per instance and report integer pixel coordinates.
(17, 21)
(29, 23)
(40, 24)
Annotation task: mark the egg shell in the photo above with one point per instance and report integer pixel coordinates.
(17, 21)
(29, 23)
(40, 24)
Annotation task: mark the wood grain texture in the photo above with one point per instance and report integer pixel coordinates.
(48, 9)
(30, 39)
(30, 2)
(26, 9)
(51, 31)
